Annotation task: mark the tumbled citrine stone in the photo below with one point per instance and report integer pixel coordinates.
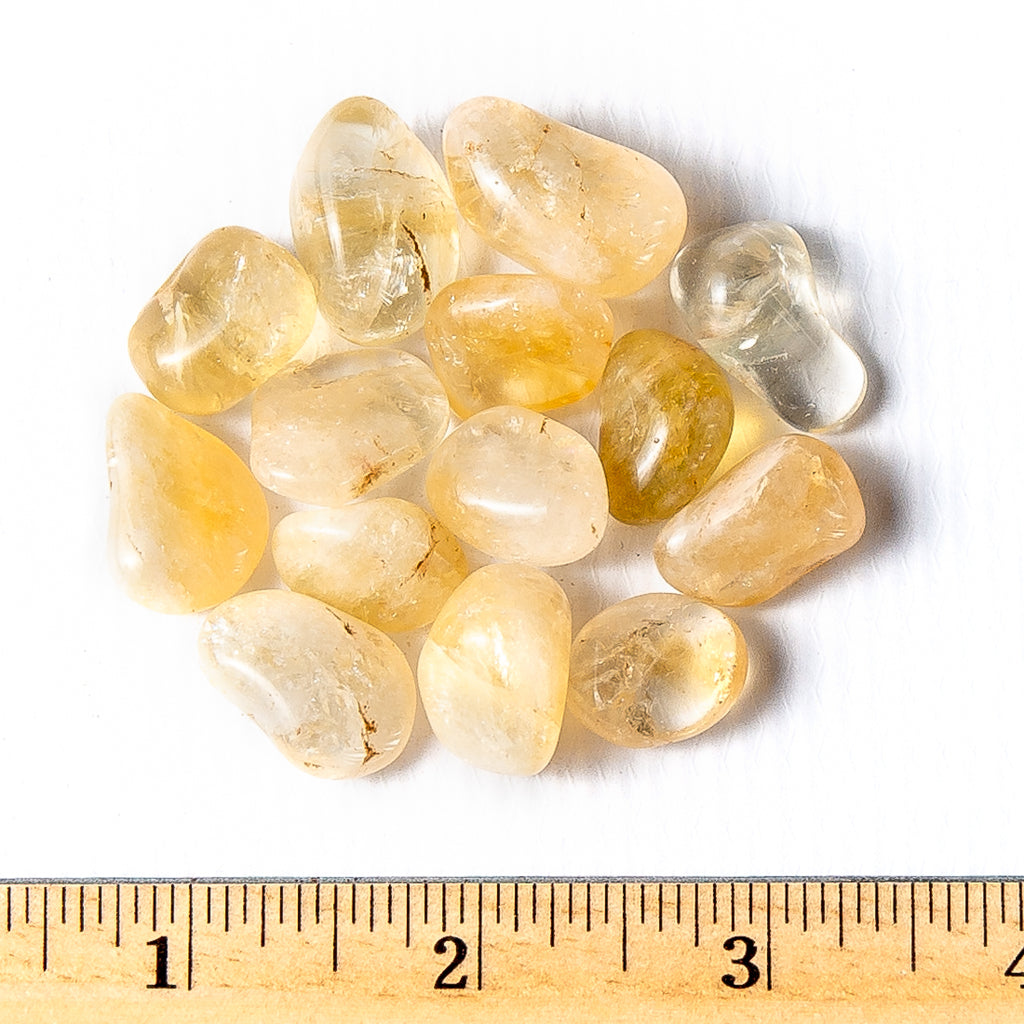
(559, 201)
(235, 310)
(666, 418)
(785, 509)
(385, 561)
(517, 339)
(188, 523)
(373, 222)
(335, 695)
(655, 669)
(494, 670)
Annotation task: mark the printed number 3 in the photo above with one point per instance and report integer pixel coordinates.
(746, 961)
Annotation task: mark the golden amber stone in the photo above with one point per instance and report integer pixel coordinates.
(559, 201)
(517, 339)
(785, 509)
(386, 561)
(336, 696)
(494, 670)
(666, 418)
(235, 310)
(655, 669)
(373, 222)
(188, 523)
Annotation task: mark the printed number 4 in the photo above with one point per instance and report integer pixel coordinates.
(1012, 972)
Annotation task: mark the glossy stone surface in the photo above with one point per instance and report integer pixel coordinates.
(666, 419)
(385, 561)
(785, 509)
(517, 339)
(655, 669)
(559, 201)
(373, 222)
(328, 432)
(335, 695)
(748, 295)
(232, 314)
(188, 523)
(494, 670)
(520, 487)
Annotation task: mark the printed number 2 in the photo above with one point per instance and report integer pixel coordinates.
(746, 961)
(441, 946)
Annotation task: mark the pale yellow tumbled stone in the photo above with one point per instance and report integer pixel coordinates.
(560, 201)
(655, 669)
(336, 695)
(373, 222)
(385, 560)
(494, 670)
(517, 339)
(785, 509)
(232, 314)
(520, 486)
(188, 523)
(328, 432)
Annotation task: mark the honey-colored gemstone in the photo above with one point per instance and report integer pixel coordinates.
(235, 310)
(559, 201)
(335, 695)
(188, 523)
(517, 339)
(328, 432)
(494, 670)
(748, 295)
(666, 418)
(520, 487)
(385, 561)
(655, 669)
(785, 509)
(373, 222)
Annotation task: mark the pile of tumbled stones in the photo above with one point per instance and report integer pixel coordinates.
(375, 223)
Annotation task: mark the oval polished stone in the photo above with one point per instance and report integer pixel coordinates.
(666, 419)
(559, 201)
(373, 222)
(494, 670)
(517, 339)
(188, 523)
(655, 669)
(785, 509)
(335, 695)
(385, 561)
(328, 432)
(232, 314)
(520, 487)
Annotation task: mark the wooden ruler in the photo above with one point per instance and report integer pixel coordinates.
(512, 950)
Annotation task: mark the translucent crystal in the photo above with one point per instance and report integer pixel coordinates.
(748, 295)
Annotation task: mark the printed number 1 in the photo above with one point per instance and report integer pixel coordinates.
(161, 963)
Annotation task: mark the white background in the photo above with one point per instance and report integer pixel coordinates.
(881, 731)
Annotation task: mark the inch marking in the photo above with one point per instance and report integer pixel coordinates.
(334, 945)
(191, 929)
(768, 942)
(480, 933)
(913, 928)
(46, 929)
(625, 962)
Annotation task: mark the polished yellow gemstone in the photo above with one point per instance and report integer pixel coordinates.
(373, 222)
(517, 339)
(188, 523)
(235, 310)
(559, 201)
(666, 418)
(785, 509)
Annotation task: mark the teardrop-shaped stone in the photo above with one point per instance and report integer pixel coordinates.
(232, 314)
(385, 561)
(785, 509)
(494, 670)
(655, 669)
(328, 432)
(335, 695)
(520, 487)
(373, 222)
(666, 419)
(517, 339)
(559, 201)
(188, 523)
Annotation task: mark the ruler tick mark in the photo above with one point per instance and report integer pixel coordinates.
(136, 904)
(353, 892)
(280, 905)
(1002, 903)
(786, 904)
(967, 903)
(876, 907)
(209, 904)
(497, 903)
(408, 915)
(570, 903)
(625, 962)
(535, 903)
(895, 916)
(858, 903)
(64, 904)
(46, 928)
(316, 904)
(805, 905)
(768, 929)
(444, 908)
(298, 907)
(263, 915)
(714, 903)
(984, 914)
(840, 915)
(190, 933)
(588, 906)
(732, 907)
(551, 912)
(8, 908)
(245, 904)
(426, 899)
(117, 915)
(913, 928)
(696, 914)
(515, 905)
(480, 935)
(391, 904)
(172, 903)
(661, 907)
(99, 905)
(750, 902)
(949, 907)
(334, 941)
(27, 914)
(1020, 906)
(443, 924)
(605, 903)
(81, 908)
(822, 902)
(462, 903)
(931, 903)
(642, 901)
(679, 903)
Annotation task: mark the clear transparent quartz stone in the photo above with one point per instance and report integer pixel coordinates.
(747, 294)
